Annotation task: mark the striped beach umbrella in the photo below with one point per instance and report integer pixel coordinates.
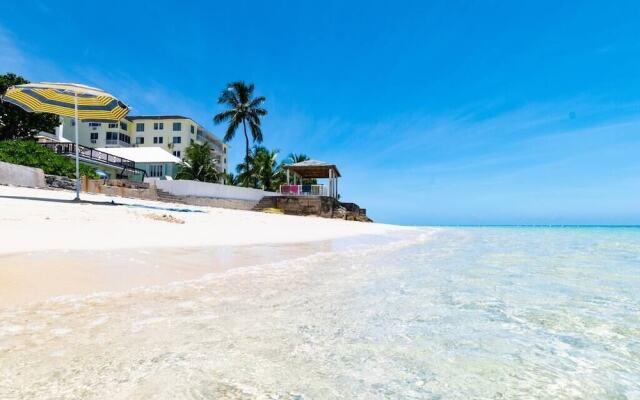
(83, 103)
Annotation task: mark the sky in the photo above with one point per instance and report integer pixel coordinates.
(437, 113)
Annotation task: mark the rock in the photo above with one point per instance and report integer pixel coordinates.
(60, 182)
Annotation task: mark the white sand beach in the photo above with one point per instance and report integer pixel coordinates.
(30, 223)
(53, 247)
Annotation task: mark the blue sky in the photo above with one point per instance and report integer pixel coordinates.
(436, 112)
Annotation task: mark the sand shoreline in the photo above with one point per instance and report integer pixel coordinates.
(34, 277)
(37, 220)
(52, 248)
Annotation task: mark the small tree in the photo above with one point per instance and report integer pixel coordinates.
(199, 164)
(15, 123)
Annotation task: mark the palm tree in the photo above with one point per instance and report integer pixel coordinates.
(266, 169)
(231, 179)
(244, 176)
(199, 165)
(243, 109)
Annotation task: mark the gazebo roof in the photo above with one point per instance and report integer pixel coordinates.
(313, 169)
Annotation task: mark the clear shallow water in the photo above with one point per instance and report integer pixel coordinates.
(463, 313)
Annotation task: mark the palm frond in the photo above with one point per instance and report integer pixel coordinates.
(230, 97)
(231, 129)
(255, 103)
(224, 116)
(256, 131)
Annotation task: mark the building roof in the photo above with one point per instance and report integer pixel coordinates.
(142, 154)
(313, 169)
(132, 117)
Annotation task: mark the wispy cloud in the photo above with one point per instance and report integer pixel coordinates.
(145, 96)
(11, 58)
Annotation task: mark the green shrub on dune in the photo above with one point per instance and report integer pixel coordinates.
(31, 154)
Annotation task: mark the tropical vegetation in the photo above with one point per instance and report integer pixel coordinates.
(263, 173)
(15, 123)
(242, 109)
(199, 165)
(31, 154)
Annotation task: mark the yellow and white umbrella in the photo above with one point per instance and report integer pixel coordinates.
(81, 102)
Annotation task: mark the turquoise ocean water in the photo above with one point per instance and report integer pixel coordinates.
(450, 313)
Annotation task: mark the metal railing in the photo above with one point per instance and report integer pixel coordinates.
(116, 143)
(304, 190)
(88, 153)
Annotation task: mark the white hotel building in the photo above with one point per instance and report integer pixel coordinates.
(172, 133)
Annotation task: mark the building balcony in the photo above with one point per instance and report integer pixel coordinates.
(116, 143)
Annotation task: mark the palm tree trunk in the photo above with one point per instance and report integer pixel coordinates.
(246, 156)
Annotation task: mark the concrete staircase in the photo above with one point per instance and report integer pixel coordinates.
(168, 197)
(266, 202)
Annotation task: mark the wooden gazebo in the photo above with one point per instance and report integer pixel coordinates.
(311, 169)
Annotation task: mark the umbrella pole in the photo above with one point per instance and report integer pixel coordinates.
(77, 151)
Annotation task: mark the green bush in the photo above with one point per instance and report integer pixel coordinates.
(32, 154)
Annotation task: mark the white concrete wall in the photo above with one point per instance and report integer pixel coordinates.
(19, 175)
(215, 190)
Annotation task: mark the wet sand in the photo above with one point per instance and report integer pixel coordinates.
(38, 276)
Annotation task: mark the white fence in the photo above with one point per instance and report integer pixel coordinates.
(304, 190)
(214, 190)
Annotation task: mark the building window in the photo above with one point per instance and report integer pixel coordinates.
(123, 126)
(140, 127)
(225, 160)
(111, 126)
(112, 136)
(125, 138)
(95, 124)
(177, 139)
(193, 129)
(224, 149)
(158, 126)
(155, 170)
(157, 140)
(94, 137)
(73, 122)
(177, 126)
(139, 140)
(177, 153)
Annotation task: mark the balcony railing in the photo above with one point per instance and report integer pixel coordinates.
(91, 154)
(305, 190)
(116, 143)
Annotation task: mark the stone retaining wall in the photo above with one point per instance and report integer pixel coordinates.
(19, 175)
(321, 206)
